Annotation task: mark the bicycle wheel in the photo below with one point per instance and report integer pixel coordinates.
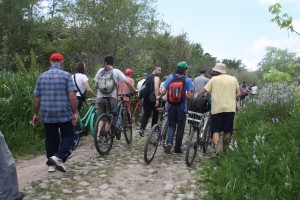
(126, 126)
(103, 138)
(192, 146)
(77, 133)
(138, 116)
(92, 122)
(164, 133)
(151, 143)
(206, 137)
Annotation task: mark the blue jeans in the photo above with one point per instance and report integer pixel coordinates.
(9, 188)
(59, 144)
(176, 117)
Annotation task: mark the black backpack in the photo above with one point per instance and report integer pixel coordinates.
(200, 104)
(147, 88)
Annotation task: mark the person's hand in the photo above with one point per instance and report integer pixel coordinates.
(75, 118)
(35, 120)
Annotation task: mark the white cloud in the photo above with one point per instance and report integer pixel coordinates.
(251, 64)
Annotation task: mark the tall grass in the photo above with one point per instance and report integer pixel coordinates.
(263, 158)
(16, 108)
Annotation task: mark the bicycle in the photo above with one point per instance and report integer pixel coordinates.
(137, 112)
(86, 124)
(157, 136)
(199, 135)
(110, 125)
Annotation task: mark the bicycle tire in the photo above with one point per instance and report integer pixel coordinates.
(92, 122)
(206, 137)
(138, 116)
(103, 140)
(192, 146)
(127, 126)
(77, 135)
(151, 143)
(164, 132)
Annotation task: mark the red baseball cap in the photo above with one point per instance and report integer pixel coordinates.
(56, 57)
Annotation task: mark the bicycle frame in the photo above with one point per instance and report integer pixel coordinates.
(85, 121)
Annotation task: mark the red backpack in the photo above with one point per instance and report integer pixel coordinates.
(176, 91)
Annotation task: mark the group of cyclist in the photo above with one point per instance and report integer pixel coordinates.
(60, 96)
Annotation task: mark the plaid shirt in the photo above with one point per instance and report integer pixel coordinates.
(53, 87)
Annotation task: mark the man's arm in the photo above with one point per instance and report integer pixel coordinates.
(36, 108)
(127, 82)
(200, 94)
(74, 105)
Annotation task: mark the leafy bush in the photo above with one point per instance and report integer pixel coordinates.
(263, 158)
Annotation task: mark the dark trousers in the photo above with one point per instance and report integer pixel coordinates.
(9, 187)
(59, 144)
(177, 117)
(148, 108)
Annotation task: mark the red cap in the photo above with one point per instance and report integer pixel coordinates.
(56, 57)
(128, 72)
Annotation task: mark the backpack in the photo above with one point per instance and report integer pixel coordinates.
(145, 90)
(176, 91)
(244, 91)
(106, 82)
(200, 104)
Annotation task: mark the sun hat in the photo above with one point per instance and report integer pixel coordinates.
(182, 65)
(56, 57)
(220, 67)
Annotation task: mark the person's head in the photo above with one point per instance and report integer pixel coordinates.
(182, 67)
(156, 70)
(80, 67)
(220, 68)
(203, 71)
(253, 84)
(128, 72)
(109, 60)
(144, 75)
(56, 59)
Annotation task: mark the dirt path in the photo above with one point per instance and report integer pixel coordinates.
(122, 174)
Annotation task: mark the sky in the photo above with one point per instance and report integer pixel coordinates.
(232, 29)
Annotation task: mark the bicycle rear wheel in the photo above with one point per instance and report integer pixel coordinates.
(206, 137)
(192, 146)
(151, 144)
(77, 134)
(126, 126)
(103, 136)
(92, 122)
(138, 116)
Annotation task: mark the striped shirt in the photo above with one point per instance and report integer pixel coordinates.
(53, 87)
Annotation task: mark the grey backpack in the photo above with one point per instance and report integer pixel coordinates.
(106, 82)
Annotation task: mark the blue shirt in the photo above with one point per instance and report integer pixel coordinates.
(188, 86)
(53, 87)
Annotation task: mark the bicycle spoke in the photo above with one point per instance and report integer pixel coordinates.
(103, 138)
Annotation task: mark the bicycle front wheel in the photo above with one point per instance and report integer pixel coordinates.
(206, 137)
(192, 146)
(127, 126)
(103, 136)
(151, 144)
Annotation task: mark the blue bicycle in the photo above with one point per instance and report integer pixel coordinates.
(110, 125)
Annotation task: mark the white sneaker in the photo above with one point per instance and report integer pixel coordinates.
(51, 169)
(58, 163)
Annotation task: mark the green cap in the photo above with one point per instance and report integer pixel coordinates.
(182, 65)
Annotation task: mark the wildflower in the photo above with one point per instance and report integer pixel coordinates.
(235, 144)
(231, 147)
(254, 144)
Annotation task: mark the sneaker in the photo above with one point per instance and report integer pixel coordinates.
(51, 168)
(178, 152)
(168, 148)
(20, 196)
(141, 132)
(58, 163)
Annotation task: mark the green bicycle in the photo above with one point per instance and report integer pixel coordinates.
(86, 124)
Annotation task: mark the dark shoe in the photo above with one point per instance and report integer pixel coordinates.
(168, 148)
(141, 132)
(20, 196)
(178, 152)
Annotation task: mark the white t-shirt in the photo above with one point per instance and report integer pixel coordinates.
(139, 84)
(80, 80)
(119, 78)
(254, 90)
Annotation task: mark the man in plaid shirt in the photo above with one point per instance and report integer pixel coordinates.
(55, 93)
